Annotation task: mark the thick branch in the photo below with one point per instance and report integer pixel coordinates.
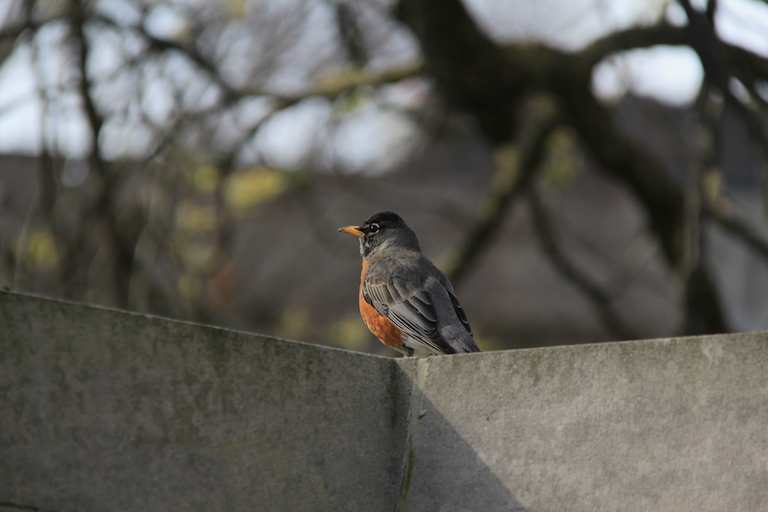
(492, 78)
(633, 38)
(704, 41)
(470, 71)
(664, 34)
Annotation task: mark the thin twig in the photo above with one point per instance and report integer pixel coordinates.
(734, 225)
(328, 90)
(601, 300)
(512, 179)
(102, 210)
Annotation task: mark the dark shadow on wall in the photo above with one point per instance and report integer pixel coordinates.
(441, 471)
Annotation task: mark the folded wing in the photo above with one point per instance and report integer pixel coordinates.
(425, 311)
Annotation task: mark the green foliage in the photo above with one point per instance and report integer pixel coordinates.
(562, 164)
(205, 179)
(349, 333)
(294, 323)
(194, 217)
(251, 187)
(36, 247)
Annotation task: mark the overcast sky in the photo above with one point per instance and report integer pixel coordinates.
(672, 75)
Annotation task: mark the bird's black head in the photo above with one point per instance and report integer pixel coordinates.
(383, 231)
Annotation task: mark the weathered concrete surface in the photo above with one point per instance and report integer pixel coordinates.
(664, 425)
(103, 410)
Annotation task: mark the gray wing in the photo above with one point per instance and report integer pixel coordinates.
(426, 312)
(456, 306)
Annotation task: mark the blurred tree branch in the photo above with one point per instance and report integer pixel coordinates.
(633, 38)
(474, 74)
(350, 33)
(514, 173)
(101, 214)
(600, 300)
(17, 29)
(664, 34)
(231, 94)
(703, 39)
(724, 216)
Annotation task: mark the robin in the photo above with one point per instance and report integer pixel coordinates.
(404, 300)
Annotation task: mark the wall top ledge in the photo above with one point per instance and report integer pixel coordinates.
(8, 296)
(11, 296)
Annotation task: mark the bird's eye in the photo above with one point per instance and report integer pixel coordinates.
(373, 228)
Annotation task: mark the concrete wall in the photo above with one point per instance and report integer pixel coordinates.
(104, 410)
(108, 411)
(665, 425)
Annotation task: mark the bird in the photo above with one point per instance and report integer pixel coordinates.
(404, 299)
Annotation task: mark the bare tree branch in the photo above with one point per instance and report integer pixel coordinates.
(664, 34)
(513, 176)
(633, 38)
(92, 114)
(102, 211)
(350, 33)
(601, 301)
(16, 30)
(523, 68)
(329, 90)
(46, 183)
(349, 81)
(473, 74)
(705, 42)
(725, 217)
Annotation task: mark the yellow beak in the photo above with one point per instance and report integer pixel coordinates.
(351, 230)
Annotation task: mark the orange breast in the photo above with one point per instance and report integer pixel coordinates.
(379, 325)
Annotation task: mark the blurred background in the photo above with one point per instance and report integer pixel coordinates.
(584, 170)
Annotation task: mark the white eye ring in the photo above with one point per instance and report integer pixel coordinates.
(374, 228)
